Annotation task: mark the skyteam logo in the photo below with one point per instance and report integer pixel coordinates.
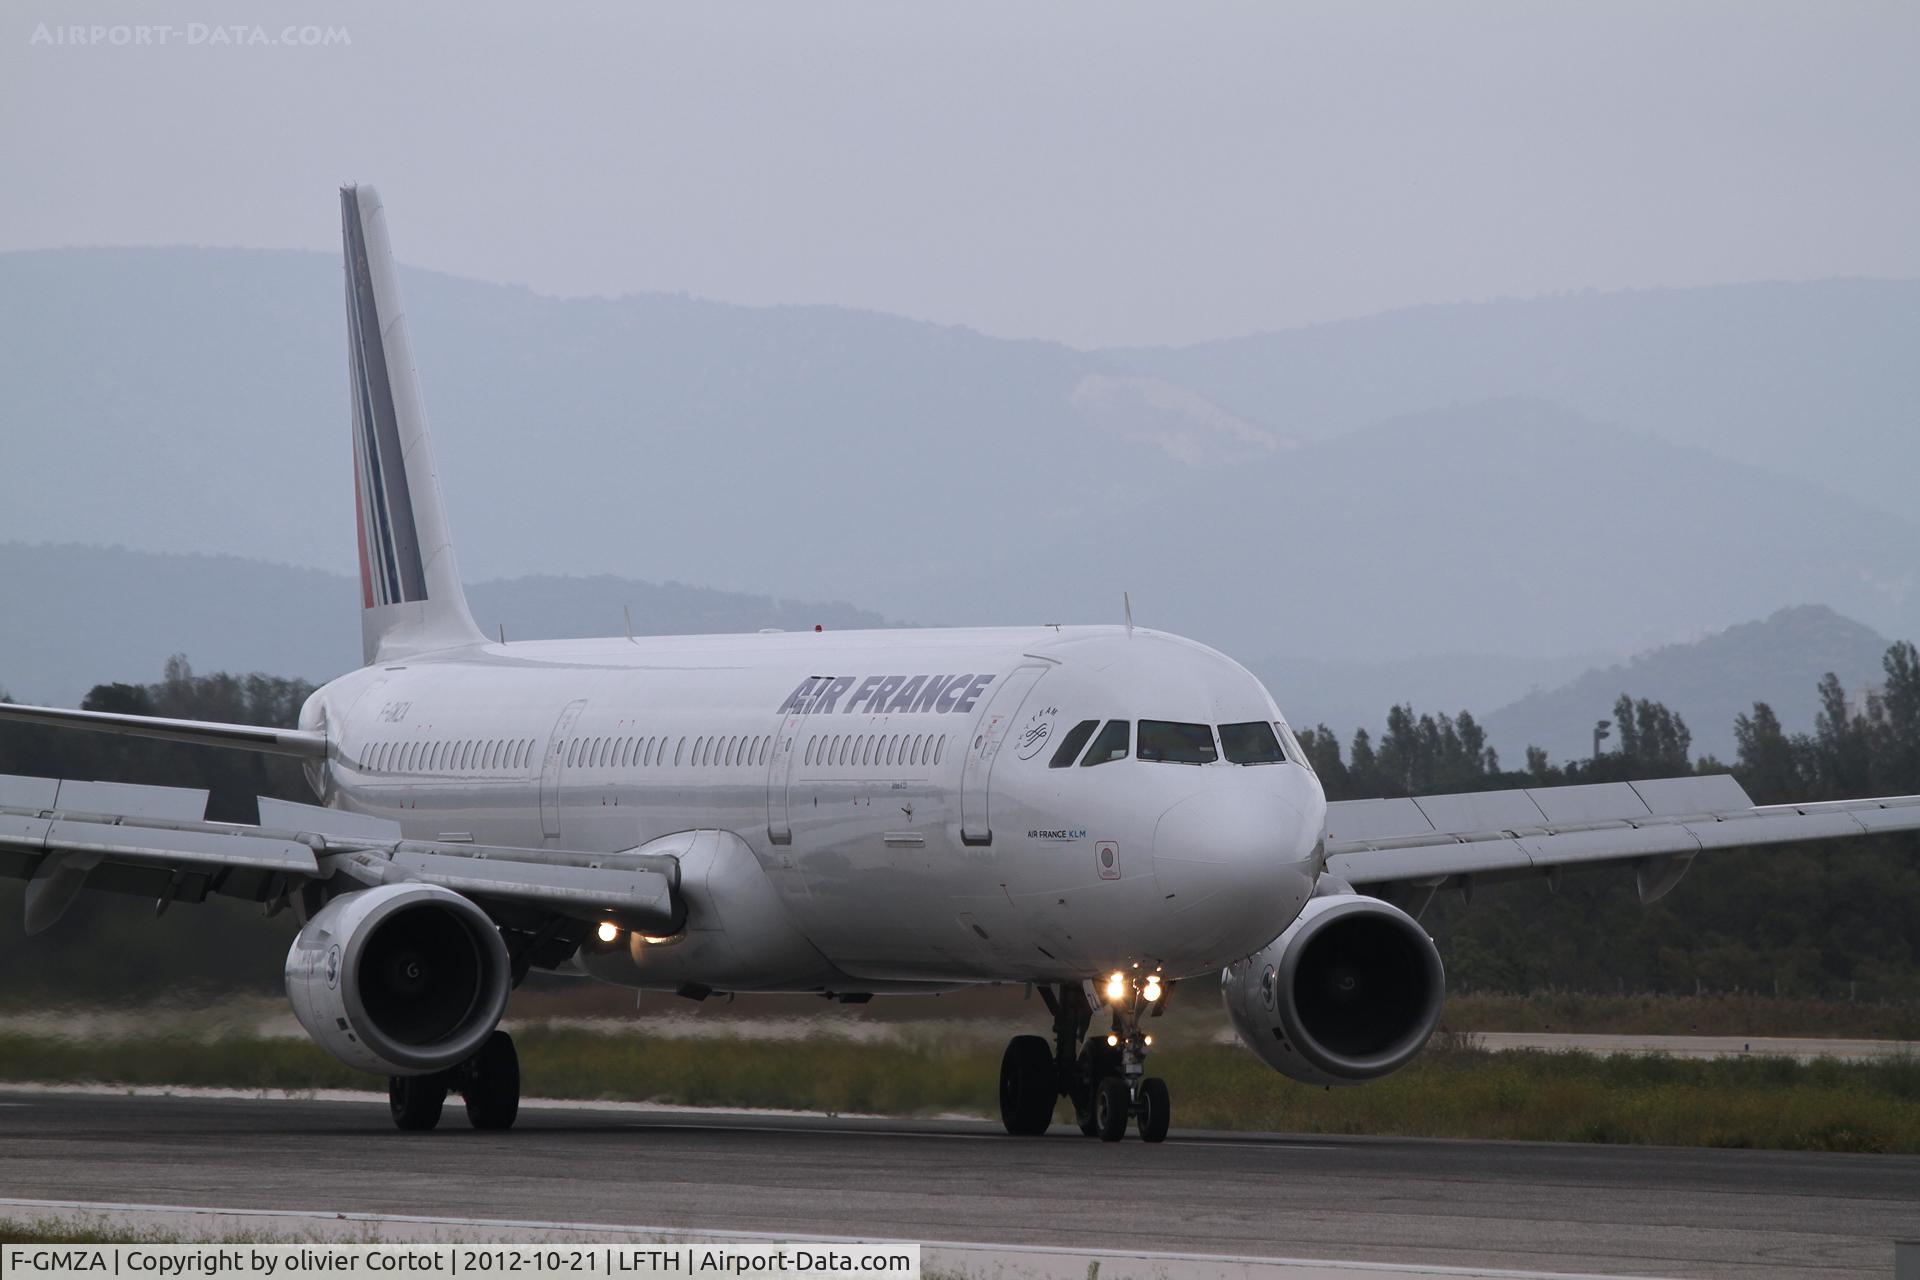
(391, 571)
(1037, 732)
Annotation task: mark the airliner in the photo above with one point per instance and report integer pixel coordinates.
(1104, 813)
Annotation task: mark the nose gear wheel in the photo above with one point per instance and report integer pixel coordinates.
(1107, 1083)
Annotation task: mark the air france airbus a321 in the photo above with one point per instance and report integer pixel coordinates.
(1103, 812)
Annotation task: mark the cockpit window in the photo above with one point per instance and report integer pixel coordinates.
(1176, 743)
(1251, 743)
(1070, 745)
(1110, 745)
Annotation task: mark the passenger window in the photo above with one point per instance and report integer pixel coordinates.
(733, 751)
(919, 749)
(1070, 745)
(1110, 745)
(891, 741)
(573, 750)
(939, 747)
(866, 750)
(1172, 743)
(810, 746)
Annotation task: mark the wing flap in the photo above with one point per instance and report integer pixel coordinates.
(635, 897)
(205, 846)
(1382, 842)
(151, 840)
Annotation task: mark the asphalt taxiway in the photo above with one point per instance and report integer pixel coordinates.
(1418, 1203)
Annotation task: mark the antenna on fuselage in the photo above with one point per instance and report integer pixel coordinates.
(628, 610)
(1126, 603)
(503, 631)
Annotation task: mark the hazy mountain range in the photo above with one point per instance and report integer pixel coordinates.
(1579, 475)
(1454, 505)
(1778, 660)
(100, 614)
(105, 614)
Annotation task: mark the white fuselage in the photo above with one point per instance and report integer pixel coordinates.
(869, 820)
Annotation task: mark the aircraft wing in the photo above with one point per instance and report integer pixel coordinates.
(63, 836)
(1656, 827)
(206, 733)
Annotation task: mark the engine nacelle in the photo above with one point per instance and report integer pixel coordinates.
(399, 980)
(1349, 993)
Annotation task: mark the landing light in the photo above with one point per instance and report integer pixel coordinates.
(1152, 990)
(608, 931)
(1117, 988)
(1112, 1040)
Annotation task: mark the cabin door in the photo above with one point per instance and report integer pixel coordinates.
(787, 746)
(988, 735)
(551, 769)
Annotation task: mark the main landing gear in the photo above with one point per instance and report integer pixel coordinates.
(1105, 1077)
(489, 1081)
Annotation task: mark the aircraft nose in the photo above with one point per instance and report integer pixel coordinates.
(1240, 852)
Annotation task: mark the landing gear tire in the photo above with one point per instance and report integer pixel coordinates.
(492, 1084)
(1097, 1061)
(415, 1101)
(1155, 1110)
(1027, 1086)
(1110, 1109)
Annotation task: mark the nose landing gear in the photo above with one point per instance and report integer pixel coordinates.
(1104, 1077)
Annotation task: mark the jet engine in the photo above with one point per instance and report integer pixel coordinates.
(1349, 993)
(399, 980)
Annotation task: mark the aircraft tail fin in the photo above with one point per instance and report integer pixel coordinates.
(410, 592)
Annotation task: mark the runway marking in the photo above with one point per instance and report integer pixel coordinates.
(1034, 1251)
(204, 1093)
(821, 1130)
(209, 1093)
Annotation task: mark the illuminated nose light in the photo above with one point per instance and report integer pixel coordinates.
(1117, 987)
(607, 931)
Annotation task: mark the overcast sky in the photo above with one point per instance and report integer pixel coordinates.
(1096, 173)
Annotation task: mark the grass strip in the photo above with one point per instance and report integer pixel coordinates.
(1451, 1091)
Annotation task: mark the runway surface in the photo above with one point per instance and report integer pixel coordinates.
(1525, 1206)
